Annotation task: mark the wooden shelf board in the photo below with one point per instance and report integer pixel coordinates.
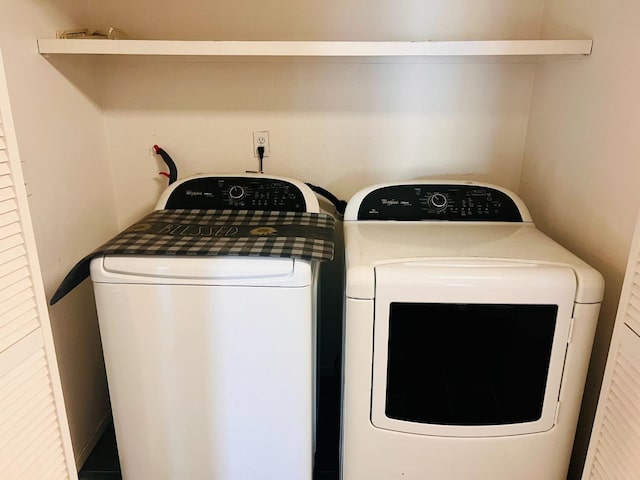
(482, 48)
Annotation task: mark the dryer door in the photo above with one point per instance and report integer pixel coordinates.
(470, 348)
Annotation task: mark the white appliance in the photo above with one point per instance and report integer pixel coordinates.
(467, 337)
(210, 360)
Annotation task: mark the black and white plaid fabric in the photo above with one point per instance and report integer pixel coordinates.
(307, 236)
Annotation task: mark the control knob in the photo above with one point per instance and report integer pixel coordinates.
(438, 201)
(236, 192)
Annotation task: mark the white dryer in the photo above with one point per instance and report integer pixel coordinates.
(210, 359)
(467, 337)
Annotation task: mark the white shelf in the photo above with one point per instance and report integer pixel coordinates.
(477, 49)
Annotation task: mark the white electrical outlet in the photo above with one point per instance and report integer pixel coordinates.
(260, 139)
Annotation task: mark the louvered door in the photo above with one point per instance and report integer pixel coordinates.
(614, 450)
(34, 435)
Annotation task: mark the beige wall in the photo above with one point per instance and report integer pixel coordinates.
(60, 132)
(322, 19)
(341, 125)
(582, 160)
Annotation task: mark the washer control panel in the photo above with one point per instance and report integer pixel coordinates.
(463, 203)
(237, 193)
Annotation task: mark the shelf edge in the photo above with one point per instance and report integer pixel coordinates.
(314, 48)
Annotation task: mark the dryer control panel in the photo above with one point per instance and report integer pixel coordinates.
(237, 193)
(462, 202)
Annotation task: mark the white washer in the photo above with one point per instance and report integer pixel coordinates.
(211, 360)
(467, 337)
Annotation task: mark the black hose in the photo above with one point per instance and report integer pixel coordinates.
(173, 170)
(340, 205)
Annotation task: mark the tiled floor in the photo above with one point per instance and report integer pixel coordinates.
(103, 463)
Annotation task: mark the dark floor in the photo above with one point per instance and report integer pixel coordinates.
(103, 463)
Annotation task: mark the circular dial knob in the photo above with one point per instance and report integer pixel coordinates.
(438, 201)
(236, 192)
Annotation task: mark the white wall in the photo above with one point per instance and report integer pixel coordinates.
(582, 161)
(61, 139)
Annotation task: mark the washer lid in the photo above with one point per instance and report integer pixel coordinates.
(224, 270)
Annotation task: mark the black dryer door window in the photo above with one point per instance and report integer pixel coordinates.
(468, 364)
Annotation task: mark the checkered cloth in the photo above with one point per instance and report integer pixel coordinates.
(307, 236)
